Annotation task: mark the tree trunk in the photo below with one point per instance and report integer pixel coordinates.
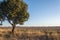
(13, 28)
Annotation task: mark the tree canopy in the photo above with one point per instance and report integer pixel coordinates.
(14, 11)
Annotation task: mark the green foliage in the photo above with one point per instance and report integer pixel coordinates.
(14, 11)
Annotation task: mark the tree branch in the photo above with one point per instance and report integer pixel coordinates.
(10, 22)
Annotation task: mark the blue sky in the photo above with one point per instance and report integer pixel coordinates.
(42, 13)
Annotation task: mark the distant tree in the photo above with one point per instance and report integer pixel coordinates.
(14, 11)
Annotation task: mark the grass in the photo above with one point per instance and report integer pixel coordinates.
(29, 34)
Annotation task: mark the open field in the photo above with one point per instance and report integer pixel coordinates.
(30, 33)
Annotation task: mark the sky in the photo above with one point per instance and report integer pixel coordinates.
(42, 13)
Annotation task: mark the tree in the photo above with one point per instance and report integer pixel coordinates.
(14, 11)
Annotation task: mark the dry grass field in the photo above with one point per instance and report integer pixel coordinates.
(30, 33)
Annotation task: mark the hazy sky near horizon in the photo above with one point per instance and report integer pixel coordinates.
(42, 13)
